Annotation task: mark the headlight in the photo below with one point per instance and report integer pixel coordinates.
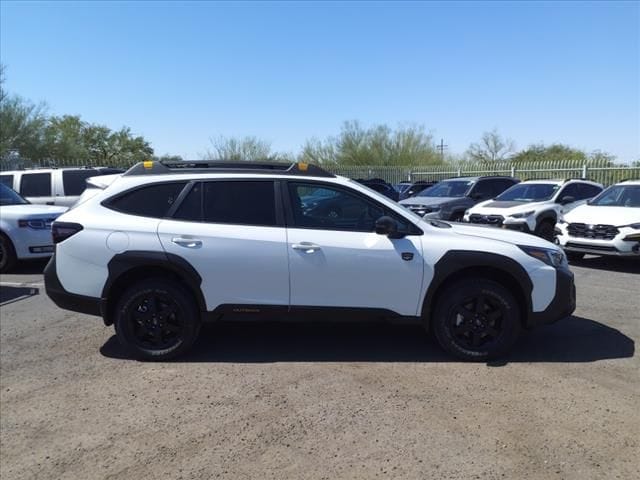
(522, 215)
(551, 256)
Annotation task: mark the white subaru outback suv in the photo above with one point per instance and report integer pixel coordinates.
(169, 245)
(608, 225)
(533, 206)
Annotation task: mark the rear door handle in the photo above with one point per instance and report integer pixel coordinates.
(306, 247)
(187, 242)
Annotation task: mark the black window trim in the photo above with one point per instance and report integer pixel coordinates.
(290, 220)
(280, 216)
(108, 202)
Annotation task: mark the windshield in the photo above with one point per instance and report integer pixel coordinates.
(618, 196)
(10, 197)
(528, 192)
(449, 188)
(384, 200)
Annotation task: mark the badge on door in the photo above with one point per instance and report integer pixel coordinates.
(407, 256)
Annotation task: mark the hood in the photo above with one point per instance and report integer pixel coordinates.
(31, 210)
(594, 215)
(502, 235)
(492, 207)
(429, 201)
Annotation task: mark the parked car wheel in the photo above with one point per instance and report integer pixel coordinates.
(157, 320)
(545, 230)
(574, 256)
(8, 257)
(477, 319)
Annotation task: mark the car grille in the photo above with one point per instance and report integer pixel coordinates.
(599, 248)
(598, 232)
(486, 219)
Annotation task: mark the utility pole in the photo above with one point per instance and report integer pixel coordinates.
(441, 146)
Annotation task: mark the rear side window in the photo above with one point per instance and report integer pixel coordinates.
(235, 202)
(7, 180)
(35, 185)
(73, 181)
(150, 201)
(589, 191)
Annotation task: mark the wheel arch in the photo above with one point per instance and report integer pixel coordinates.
(547, 215)
(457, 265)
(129, 267)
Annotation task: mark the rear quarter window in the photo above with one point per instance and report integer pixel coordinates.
(73, 181)
(148, 201)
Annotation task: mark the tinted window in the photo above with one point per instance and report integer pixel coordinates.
(588, 191)
(152, 201)
(73, 181)
(571, 190)
(243, 203)
(448, 188)
(7, 180)
(191, 206)
(35, 185)
(332, 209)
(9, 197)
(529, 192)
(619, 196)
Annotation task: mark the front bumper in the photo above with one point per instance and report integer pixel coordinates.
(68, 301)
(563, 303)
(617, 246)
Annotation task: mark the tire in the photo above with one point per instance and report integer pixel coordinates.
(8, 258)
(574, 256)
(476, 319)
(545, 230)
(456, 217)
(157, 319)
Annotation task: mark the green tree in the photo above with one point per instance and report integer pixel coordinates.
(239, 149)
(378, 145)
(552, 153)
(492, 147)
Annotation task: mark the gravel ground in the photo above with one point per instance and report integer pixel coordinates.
(322, 401)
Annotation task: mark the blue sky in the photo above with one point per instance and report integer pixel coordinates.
(180, 73)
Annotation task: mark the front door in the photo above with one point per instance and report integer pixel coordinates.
(337, 260)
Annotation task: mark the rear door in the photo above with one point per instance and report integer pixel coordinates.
(71, 186)
(37, 187)
(337, 260)
(233, 234)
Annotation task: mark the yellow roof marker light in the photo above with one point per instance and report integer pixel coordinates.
(303, 167)
(147, 164)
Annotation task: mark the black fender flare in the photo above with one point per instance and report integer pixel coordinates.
(547, 215)
(453, 265)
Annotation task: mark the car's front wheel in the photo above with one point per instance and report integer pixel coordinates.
(476, 319)
(7, 254)
(156, 319)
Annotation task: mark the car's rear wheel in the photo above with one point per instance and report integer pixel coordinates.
(545, 230)
(157, 319)
(8, 257)
(574, 256)
(476, 319)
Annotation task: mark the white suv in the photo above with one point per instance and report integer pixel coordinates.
(533, 206)
(608, 225)
(169, 245)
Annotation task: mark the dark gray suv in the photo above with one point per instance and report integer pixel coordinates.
(448, 200)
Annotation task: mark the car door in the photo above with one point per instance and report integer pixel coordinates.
(37, 187)
(337, 260)
(231, 232)
(571, 190)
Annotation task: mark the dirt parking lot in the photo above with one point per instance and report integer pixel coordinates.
(322, 401)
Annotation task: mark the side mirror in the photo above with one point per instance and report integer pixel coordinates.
(566, 200)
(388, 226)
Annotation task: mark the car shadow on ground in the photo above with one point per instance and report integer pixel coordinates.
(29, 267)
(15, 294)
(573, 340)
(612, 264)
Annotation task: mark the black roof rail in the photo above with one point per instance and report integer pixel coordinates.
(150, 167)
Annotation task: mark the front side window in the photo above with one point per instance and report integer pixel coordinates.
(448, 188)
(588, 191)
(619, 196)
(9, 197)
(529, 192)
(73, 181)
(6, 180)
(35, 185)
(335, 209)
(149, 201)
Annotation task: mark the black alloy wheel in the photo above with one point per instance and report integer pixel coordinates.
(477, 321)
(155, 320)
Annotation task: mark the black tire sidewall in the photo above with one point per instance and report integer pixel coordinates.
(9, 258)
(187, 304)
(454, 295)
(545, 224)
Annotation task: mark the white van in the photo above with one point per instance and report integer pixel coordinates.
(52, 186)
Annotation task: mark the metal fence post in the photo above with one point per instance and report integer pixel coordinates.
(513, 171)
(459, 172)
(584, 171)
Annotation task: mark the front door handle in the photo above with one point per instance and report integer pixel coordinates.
(187, 242)
(307, 247)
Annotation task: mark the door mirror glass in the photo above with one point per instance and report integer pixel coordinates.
(388, 226)
(567, 199)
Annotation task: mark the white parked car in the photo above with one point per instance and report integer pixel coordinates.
(25, 229)
(169, 245)
(52, 186)
(608, 225)
(533, 206)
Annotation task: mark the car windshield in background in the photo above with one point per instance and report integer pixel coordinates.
(452, 188)
(528, 192)
(619, 196)
(10, 197)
